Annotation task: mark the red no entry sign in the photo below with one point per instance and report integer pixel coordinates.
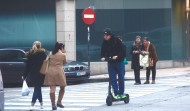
(88, 16)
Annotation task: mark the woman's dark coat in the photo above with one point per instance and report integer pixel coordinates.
(33, 66)
(135, 56)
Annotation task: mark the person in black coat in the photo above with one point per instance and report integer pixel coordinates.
(124, 49)
(124, 46)
(35, 56)
(136, 50)
(112, 50)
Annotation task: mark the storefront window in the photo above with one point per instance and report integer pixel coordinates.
(24, 21)
(127, 18)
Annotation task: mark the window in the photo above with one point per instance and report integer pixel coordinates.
(11, 56)
(24, 21)
(127, 18)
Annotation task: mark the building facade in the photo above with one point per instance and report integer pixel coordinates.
(165, 22)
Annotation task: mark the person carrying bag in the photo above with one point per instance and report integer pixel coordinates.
(152, 58)
(55, 75)
(35, 58)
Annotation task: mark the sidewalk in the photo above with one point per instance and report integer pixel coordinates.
(161, 73)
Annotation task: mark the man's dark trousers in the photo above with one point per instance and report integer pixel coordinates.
(113, 69)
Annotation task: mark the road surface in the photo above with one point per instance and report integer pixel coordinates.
(168, 94)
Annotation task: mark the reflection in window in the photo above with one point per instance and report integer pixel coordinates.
(153, 21)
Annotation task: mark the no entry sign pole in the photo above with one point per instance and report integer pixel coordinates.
(88, 47)
(88, 16)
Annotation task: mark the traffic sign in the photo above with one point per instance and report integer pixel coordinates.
(88, 16)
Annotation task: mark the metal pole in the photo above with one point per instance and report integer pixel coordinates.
(88, 47)
(187, 31)
(187, 36)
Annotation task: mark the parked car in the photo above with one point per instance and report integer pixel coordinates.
(1, 93)
(76, 71)
(13, 62)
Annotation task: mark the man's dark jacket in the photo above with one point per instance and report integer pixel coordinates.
(113, 47)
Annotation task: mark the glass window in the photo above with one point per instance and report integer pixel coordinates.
(24, 21)
(127, 18)
(11, 56)
(3, 56)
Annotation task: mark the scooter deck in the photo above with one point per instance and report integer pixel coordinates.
(119, 99)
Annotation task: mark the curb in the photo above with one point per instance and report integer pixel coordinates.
(94, 80)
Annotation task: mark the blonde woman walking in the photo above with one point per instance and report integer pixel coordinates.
(35, 56)
(55, 74)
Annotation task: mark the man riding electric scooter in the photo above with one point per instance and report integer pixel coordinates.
(112, 49)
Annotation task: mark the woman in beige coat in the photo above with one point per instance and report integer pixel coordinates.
(55, 74)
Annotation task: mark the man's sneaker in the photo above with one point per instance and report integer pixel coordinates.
(117, 96)
(41, 106)
(123, 96)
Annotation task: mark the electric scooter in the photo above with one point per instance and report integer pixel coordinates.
(110, 99)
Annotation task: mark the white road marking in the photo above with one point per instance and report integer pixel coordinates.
(83, 96)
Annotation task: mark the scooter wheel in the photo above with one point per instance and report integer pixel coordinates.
(126, 100)
(109, 100)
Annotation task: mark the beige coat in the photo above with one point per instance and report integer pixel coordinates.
(55, 74)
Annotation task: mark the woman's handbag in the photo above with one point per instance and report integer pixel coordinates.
(144, 60)
(45, 65)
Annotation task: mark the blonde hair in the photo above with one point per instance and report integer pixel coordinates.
(36, 46)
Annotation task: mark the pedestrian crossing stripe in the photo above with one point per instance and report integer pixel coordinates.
(24, 108)
(49, 104)
(82, 97)
(68, 100)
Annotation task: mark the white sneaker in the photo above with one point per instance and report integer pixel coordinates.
(32, 108)
(42, 107)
